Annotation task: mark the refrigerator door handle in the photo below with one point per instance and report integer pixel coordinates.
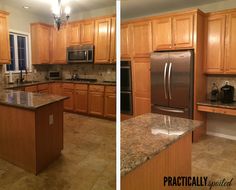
(165, 71)
(169, 109)
(169, 75)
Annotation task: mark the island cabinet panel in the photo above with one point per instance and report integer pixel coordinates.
(56, 88)
(110, 102)
(183, 31)
(81, 98)
(141, 39)
(59, 44)
(40, 43)
(33, 88)
(87, 32)
(68, 90)
(162, 33)
(96, 100)
(215, 44)
(125, 41)
(4, 39)
(173, 161)
(141, 86)
(230, 64)
(102, 40)
(74, 34)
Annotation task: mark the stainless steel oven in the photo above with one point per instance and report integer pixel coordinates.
(126, 88)
(80, 54)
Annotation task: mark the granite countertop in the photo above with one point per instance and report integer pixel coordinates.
(15, 85)
(218, 104)
(147, 135)
(27, 100)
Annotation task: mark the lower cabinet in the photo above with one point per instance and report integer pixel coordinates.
(110, 102)
(56, 88)
(32, 88)
(96, 100)
(43, 88)
(68, 90)
(81, 98)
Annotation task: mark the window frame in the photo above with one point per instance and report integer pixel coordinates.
(28, 51)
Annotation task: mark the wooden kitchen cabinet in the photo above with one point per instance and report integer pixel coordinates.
(81, 98)
(43, 88)
(110, 102)
(4, 39)
(113, 41)
(102, 40)
(68, 90)
(125, 41)
(87, 32)
(59, 43)
(96, 100)
(173, 32)
(56, 88)
(141, 39)
(74, 34)
(40, 43)
(141, 86)
(33, 88)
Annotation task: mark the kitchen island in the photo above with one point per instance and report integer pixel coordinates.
(154, 146)
(31, 128)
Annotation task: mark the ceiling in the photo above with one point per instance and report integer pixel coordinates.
(137, 8)
(43, 7)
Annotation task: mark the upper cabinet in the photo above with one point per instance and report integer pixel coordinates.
(104, 33)
(125, 41)
(40, 37)
(113, 41)
(173, 32)
(4, 39)
(59, 43)
(74, 34)
(221, 43)
(141, 39)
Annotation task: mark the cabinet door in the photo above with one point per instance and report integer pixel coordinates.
(4, 39)
(81, 101)
(162, 33)
(102, 40)
(31, 88)
(183, 31)
(55, 88)
(125, 41)
(215, 44)
(110, 105)
(113, 41)
(141, 39)
(96, 103)
(68, 103)
(230, 64)
(43, 88)
(141, 86)
(87, 32)
(74, 34)
(59, 46)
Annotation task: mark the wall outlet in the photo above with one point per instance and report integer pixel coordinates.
(51, 119)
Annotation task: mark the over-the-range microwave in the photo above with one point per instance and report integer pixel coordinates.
(80, 54)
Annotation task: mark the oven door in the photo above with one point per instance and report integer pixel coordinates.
(126, 103)
(74, 56)
(126, 83)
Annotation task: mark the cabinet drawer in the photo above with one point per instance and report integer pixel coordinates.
(43, 87)
(96, 88)
(110, 89)
(217, 110)
(81, 87)
(68, 86)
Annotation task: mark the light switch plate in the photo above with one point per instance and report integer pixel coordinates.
(51, 119)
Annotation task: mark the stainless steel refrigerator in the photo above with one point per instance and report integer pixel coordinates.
(172, 83)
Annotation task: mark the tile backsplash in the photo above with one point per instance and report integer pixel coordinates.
(39, 72)
(220, 81)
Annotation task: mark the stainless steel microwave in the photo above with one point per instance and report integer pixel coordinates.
(80, 54)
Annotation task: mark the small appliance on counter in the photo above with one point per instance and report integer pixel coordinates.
(54, 75)
(214, 93)
(227, 93)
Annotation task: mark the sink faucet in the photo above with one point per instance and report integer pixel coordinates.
(21, 74)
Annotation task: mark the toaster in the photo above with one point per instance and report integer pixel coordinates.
(227, 93)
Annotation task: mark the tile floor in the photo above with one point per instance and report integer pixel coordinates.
(87, 161)
(216, 158)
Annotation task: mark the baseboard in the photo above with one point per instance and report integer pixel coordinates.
(222, 135)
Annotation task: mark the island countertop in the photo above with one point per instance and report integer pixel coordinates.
(147, 135)
(27, 100)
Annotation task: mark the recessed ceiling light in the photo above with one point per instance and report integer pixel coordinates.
(26, 7)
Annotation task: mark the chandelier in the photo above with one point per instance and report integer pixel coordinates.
(60, 15)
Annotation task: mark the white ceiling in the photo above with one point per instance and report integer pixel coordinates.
(43, 7)
(137, 8)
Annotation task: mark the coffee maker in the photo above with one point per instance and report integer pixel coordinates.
(227, 93)
(214, 93)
